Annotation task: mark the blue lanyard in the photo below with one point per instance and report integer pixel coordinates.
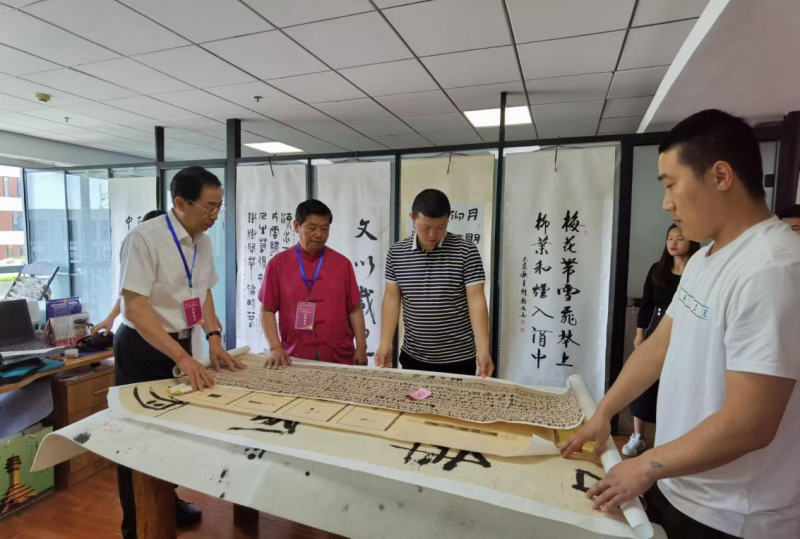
(189, 272)
(303, 271)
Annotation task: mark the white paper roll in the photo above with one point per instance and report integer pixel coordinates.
(633, 510)
(206, 361)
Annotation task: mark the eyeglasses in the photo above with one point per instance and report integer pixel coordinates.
(210, 211)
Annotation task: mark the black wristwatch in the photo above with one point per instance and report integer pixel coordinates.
(212, 333)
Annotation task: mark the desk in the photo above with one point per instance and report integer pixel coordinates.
(69, 364)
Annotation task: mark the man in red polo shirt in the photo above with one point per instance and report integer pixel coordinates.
(314, 291)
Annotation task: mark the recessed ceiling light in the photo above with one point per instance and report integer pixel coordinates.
(274, 147)
(491, 117)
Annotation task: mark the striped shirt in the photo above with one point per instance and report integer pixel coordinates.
(433, 287)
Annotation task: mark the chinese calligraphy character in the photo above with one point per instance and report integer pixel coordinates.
(540, 335)
(568, 291)
(569, 267)
(539, 356)
(566, 338)
(128, 222)
(542, 243)
(366, 302)
(364, 263)
(251, 233)
(474, 238)
(539, 268)
(571, 222)
(538, 310)
(273, 232)
(540, 290)
(473, 214)
(363, 229)
(564, 359)
(568, 317)
(542, 223)
(569, 244)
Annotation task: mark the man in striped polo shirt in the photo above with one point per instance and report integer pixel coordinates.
(439, 279)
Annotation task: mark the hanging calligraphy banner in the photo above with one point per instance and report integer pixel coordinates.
(359, 195)
(557, 242)
(128, 199)
(266, 198)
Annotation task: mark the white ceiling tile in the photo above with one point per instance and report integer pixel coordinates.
(637, 82)
(126, 132)
(488, 96)
(200, 124)
(330, 132)
(80, 84)
(566, 89)
(4, 8)
(319, 87)
(564, 112)
(16, 62)
(410, 140)
(401, 77)
(552, 19)
(351, 41)
(147, 106)
(21, 31)
(79, 133)
(205, 141)
(200, 102)
(472, 68)
(354, 110)
(619, 125)
(579, 128)
(264, 128)
(382, 4)
(14, 104)
(513, 132)
(18, 118)
(107, 23)
(298, 115)
(26, 90)
(437, 122)
(202, 20)
(632, 106)
(246, 115)
(133, 75)
(417, 104)
(571, 56)
(658, 11)
(112, 114)
(59, 115)
(381, 128)
(301, 140)
(290, 12)
(458, 136)
(360, 144)
(13, 128)
(195, 66)
(19, 3)
(245, 94)
(267, 55)
(451, 25)
(654, 45)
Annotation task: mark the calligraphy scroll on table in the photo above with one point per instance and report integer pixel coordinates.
(358, 195)
(557, 242)
(266, 199)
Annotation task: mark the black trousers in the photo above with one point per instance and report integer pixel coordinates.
(468, 367)
(676, 524)
(135, 360)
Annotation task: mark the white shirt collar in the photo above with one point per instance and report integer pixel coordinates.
(179, 230)
(415, 242)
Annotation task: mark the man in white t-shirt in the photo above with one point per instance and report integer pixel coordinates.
(727, 353)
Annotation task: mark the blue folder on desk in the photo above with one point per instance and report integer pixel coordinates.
(20, 373)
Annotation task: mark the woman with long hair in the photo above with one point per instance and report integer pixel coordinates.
(659, 287)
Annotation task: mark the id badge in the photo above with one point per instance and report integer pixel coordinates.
(304, 319)
(193, 312)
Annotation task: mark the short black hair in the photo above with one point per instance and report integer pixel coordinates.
(312, 207)
(189, 183)
(431, 203)
(712, 135)
(152, 214)
(789, 212)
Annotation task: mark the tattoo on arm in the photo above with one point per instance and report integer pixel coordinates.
(656, 464)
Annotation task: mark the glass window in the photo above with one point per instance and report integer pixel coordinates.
(6, 192)
(47, 222)
(12, 225)
(89, 219)
(217, 235)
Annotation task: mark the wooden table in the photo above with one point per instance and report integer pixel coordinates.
(69, 364)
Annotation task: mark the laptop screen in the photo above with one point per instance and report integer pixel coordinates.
(15, 322)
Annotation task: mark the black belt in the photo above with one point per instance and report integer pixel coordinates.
(183, 334)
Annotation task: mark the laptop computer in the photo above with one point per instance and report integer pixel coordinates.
(16, 328)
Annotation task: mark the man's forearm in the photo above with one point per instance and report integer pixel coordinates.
(359, 327)
(209, 314)
(269, 325)
(139, 312)
(479, 318)
(390, 316)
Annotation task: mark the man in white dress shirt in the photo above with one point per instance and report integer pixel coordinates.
(167, 273)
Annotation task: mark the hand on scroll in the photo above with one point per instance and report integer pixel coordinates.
(278, 359)
(198, 376)
(360, 358)
(219, 356)
(383, 357)
(624, 482)
(485, 364)
(596, 430)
